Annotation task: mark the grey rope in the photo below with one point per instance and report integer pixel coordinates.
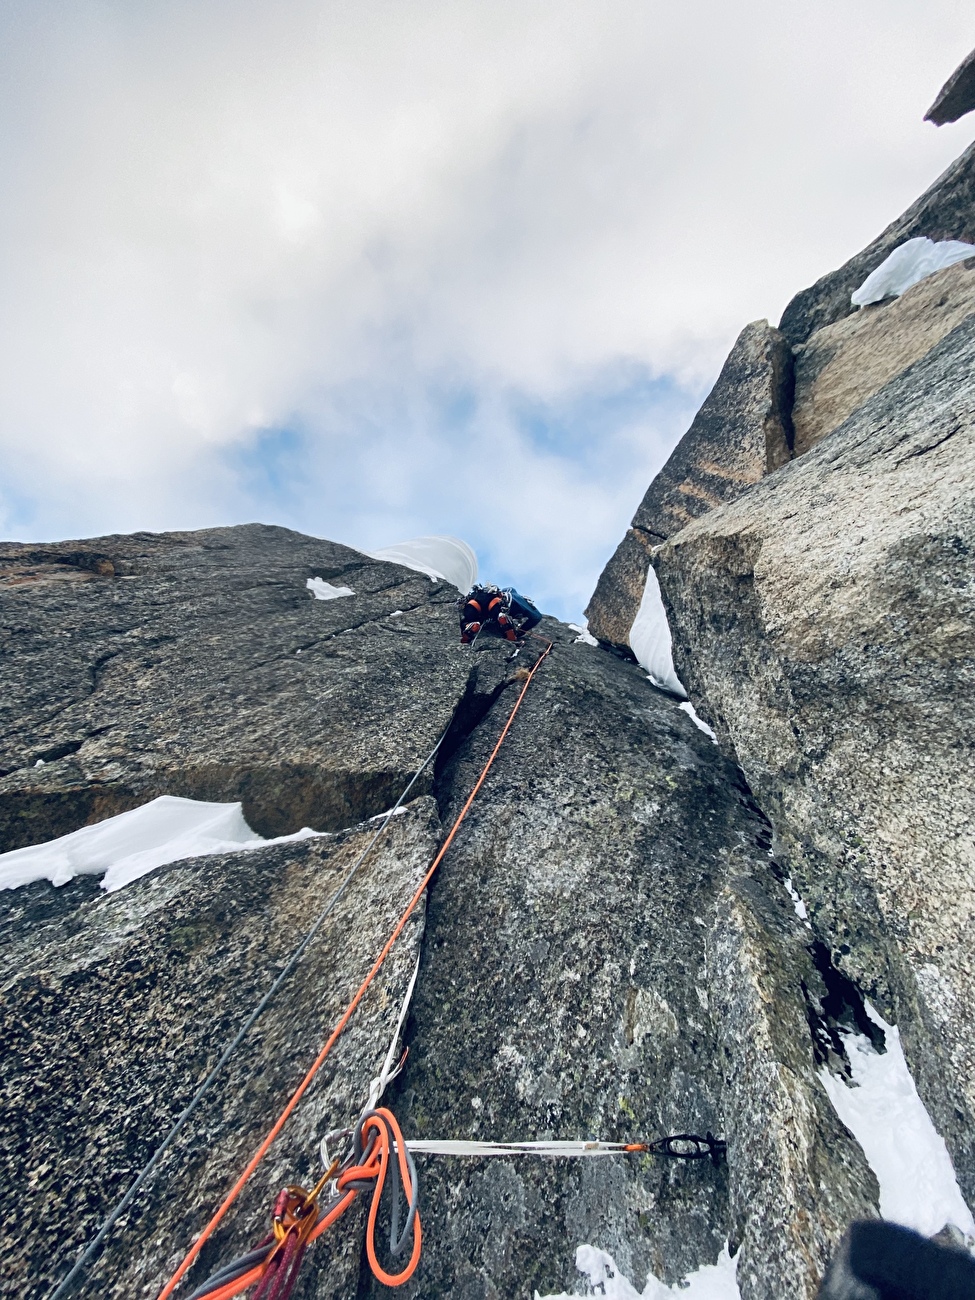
(236, 1268)
(153, 1163)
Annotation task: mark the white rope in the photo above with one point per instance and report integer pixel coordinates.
(388, 1072)
(456, 1147)
(382, 1080)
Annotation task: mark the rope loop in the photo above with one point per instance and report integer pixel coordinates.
(297, 1220)
(376, 1136)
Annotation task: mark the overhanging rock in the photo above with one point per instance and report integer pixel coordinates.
(742, 432)
(956, 97)
(946, 210)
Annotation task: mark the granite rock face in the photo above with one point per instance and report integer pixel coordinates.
(570, 986)
(742, 432)
(944, 211)
(115, 1006)
(823, 622)
(614, 604)
(844, 364)
(780, 391)
(610, 949)
(825, 625)
(956, 97)
(198, 664)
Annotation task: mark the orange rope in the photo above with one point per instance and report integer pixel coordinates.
(240, 1284)
(375, 1168)
(346, 1016)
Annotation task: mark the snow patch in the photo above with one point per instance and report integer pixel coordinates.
(585, 636)
(910, 262)
(883, 1111)
(438, 557)
(323, 590)
(691, 712)
(127, 846)
(797, 902)
(650, 639)
(390, 812)
(709, 1282)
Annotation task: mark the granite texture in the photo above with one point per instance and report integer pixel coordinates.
(610, 949)
(844, 364)
(614, 604)
(824, 623)
(198, 664)
(569, 988)
(112, 1009)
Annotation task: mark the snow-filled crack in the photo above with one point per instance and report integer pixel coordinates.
(882, 1109)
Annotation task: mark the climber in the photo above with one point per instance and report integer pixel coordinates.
(497, 612)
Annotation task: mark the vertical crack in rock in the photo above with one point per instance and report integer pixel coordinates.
(797, 1177)
(575, 982)
(842, 1008)
(489, 677)
(823, 623)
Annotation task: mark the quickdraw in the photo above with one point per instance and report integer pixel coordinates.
(298, 1221)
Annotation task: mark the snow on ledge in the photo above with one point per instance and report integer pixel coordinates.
(125, 847)
(323, 590)
(585, 636)
(883, 1111)
(710, 1282)
(909, 263)
(438, 557)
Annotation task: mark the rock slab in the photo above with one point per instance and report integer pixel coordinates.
(199, 664)
(610, 949)
(114, 1007)
(570, 988)
(825, 624)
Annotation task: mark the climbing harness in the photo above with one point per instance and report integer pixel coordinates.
(484, 606)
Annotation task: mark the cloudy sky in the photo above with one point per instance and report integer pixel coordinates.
(386, 267)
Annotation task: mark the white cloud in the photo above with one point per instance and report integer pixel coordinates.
(222, 218)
